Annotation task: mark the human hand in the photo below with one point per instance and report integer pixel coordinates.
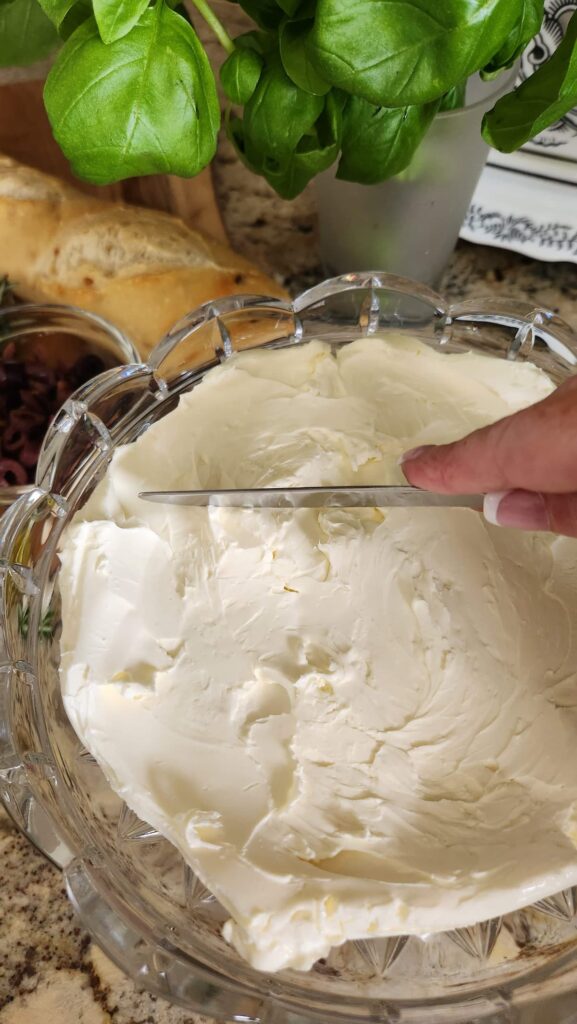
(525, 464)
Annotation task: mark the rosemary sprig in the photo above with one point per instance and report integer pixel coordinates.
(45, 629)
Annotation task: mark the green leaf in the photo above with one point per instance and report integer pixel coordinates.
(260, 42)
(315, 152)
(405, 52)
(455, 99)
(117, 17)
(56, 10)
(540, 101)
(290, 7)
(294, 36)
(379, 142)
(77, 15)
(267, 13)
(278, 113)
(240, 74)
(290, 177)
(26, 34)
(146, 104)
(524, 31)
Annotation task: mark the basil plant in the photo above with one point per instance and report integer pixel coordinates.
(315, 82)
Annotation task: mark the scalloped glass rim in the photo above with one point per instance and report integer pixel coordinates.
(107, 854)
(30, 318)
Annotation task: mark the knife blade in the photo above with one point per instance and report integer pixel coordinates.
(316, 497)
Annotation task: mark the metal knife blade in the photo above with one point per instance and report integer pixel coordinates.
(316, 497)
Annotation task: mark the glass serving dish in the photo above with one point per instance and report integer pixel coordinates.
(130, 887)
(63, 345)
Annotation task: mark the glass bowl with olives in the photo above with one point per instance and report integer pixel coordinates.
(46, 353)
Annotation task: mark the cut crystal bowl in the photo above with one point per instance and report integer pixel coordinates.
(130, 887)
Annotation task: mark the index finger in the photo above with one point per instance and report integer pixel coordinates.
(533, 450)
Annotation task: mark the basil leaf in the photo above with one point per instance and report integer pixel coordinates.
(66, 15)
(266, 13)
(455, 99)
(290, 172)
(26, 34)
(518, 40)
(260, 42)
(290, 7)
(78, 14)
(116, 17)
(296, 59)
(540, 101)
(290, 178)
(396, 53)
(278, 113)
(56, 10)
(270, 10)
(379, 142)
(144, 104)
(240, 74)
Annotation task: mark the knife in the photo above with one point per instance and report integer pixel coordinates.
(316, 497)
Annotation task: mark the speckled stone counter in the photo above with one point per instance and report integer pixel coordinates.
(50, 973)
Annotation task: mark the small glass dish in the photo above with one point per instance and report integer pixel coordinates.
(47, 350)
(130, 887)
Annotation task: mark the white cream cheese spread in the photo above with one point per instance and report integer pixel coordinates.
(351, 723)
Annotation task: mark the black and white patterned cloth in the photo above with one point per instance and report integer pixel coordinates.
(527, 201)
(557, 15)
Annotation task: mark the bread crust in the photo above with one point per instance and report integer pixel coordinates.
(141, 269)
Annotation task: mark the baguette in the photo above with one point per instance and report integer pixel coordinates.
(141, 269)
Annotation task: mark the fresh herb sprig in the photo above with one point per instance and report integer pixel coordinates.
(317, 81)
(46, 627)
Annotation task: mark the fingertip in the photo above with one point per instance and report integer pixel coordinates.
(491, 503)
(521, 510)
(413, 454)
(415, 465)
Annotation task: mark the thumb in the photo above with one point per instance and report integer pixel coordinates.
(528, 510)
(532, 450)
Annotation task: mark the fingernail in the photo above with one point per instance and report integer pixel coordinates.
(491, 503)
(413, 453)
(523, 510)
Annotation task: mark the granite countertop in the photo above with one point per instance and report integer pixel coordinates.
(50, 972)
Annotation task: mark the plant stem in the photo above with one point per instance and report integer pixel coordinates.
(212, 21)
